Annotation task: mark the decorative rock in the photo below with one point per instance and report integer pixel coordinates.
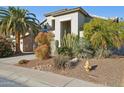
(50, 65)
(72, 63)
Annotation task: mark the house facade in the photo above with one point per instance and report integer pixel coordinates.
(65, 21)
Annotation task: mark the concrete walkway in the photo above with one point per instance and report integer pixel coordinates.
(7, 83)
(30, 77)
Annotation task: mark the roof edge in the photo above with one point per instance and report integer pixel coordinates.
(66, 11)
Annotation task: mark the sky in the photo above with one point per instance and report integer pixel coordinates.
(104, 11)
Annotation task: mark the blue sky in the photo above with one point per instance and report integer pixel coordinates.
(105, 11)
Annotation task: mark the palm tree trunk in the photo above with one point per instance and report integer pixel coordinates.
(18, 51)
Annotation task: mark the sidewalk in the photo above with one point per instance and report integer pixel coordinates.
(30, 77)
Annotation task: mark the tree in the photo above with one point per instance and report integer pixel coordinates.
(104, 34)
(17, 22)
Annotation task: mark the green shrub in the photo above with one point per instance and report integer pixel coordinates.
(70, 41)
(105, 53)
(60, 61)
(23, 61)
(57, 44)
(73, 46)
(65, 51)
(85, 49)
(68, 45)
(104, 34)
(5, 47)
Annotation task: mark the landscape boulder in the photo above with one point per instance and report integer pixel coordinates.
(72, 63)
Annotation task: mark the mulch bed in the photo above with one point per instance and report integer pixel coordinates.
(109, 71)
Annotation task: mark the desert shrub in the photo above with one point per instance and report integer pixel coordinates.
(68, 45)
(70, 41)
(104, 34)
(43, 39)
(60, 61)
(105, 53)
(65, 51)
(84, 49)
(73, 46)
(5, 47)
(42, 52)
(23, 61)
(56, 44)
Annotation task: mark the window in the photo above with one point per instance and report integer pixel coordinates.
(53, 24)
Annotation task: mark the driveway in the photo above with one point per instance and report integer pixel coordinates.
(14, 60)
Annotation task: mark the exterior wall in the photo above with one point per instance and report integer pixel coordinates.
(82, 19)
(49, 21)
(73, 17)
(77, 20)
(21, 45)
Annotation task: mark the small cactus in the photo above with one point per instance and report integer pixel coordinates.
(87, 66)
(57, 43)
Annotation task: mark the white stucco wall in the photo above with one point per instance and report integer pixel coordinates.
(77, 20)
(73, 17)
(21, 45)
(49, 20)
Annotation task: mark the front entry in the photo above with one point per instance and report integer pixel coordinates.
(65, 28)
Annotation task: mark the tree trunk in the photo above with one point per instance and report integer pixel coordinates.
(18, 51)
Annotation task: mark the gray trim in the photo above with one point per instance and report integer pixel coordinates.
(67, 11)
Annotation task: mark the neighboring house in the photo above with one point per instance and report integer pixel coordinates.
(26, 42)
(65, 21)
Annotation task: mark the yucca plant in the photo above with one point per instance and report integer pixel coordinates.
(69, 44)
(70, 41)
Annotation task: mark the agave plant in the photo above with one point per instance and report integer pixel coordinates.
(70, 41)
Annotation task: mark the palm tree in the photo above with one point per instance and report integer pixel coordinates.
(17, 22)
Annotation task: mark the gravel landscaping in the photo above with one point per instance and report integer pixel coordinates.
(107, 71)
